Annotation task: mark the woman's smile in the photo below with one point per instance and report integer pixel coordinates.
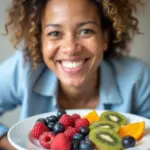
(72, 67)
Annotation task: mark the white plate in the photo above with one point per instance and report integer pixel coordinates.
(18, 134)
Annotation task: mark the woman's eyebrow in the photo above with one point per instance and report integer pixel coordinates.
(78, 25)
(86, 22)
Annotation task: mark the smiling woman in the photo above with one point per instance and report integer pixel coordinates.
(75, 55)
(73, 50)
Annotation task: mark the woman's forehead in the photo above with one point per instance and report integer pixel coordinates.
(69, 9)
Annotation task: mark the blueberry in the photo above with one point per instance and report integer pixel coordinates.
(86, 145)
(128, 141)
(87, 137)
(42, 120)
(78, 137)
(75, 145)
(51, 125)
(52, 119)
(58, 128)
(60, 112)
(84, 131)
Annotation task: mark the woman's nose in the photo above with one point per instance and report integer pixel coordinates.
(70, 46)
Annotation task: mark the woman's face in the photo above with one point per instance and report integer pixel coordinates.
(72, 40)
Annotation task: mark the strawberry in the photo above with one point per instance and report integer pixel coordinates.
(66, 120)
(45, 139)
(75, 117)
(70, 131)
(38, 129)
(61, 142)
(81, 123)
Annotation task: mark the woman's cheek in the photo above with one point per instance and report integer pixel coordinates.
(49, 49)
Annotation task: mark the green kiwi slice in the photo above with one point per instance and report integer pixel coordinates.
(105, 139)
(105, 124)
(115, 117)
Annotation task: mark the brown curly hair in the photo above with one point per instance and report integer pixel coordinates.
(24, 24)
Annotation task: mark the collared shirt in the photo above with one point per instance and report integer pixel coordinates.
(124, 87)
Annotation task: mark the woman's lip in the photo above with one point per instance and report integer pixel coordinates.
(72, 59)
(73, 70)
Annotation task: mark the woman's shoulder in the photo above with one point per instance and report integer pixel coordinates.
(16, 62)
(130, 65)
(16, 69)
(130, 70)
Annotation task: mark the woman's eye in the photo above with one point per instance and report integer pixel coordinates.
(86, 32)
(54, 34)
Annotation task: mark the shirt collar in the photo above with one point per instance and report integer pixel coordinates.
(109, 92)
(47, 84)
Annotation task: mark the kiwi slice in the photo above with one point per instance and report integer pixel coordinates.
(106, 125)
(115, 117)
(105, 139)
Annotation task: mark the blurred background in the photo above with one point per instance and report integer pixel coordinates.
(140, 48)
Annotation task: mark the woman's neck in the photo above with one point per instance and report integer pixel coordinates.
(84, 93)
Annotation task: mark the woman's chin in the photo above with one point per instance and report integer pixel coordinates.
(73, 83)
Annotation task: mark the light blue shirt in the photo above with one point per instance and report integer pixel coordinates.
(124, 87)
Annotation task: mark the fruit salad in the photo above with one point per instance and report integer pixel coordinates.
(107, 131)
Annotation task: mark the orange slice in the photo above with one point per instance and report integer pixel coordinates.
(92, 116)
(133, 129)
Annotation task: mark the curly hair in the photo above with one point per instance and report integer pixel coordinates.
(24, 24)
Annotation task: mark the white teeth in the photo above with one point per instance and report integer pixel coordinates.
(72, 64)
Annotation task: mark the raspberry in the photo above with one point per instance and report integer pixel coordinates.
(45, 139)
(38, 129)
(75, 117)
(68, 127)
(81, 123)
(61, 142)
(69, 132)
(66, 120)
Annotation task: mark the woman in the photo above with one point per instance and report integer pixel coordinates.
(73, 56)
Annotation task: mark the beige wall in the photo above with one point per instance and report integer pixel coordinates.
(6, 48)
(140, 46)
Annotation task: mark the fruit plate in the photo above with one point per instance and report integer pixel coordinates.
(19, 134)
